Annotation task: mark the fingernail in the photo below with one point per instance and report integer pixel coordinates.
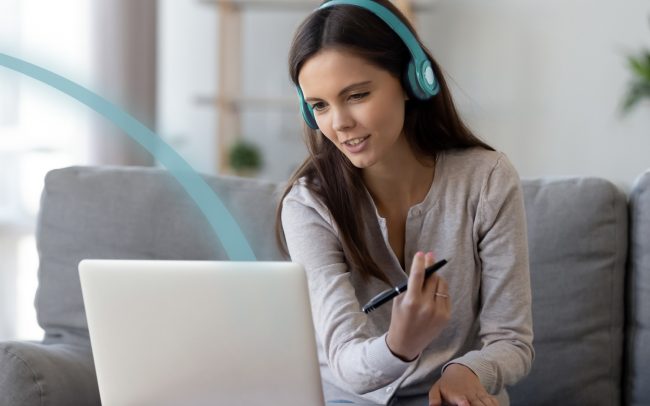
(418, 254)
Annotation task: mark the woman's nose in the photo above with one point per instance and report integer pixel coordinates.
(342, 120)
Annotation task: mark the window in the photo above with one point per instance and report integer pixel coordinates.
(40, 129)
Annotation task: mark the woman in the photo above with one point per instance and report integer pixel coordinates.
(392, 173)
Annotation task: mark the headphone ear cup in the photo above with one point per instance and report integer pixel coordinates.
(308, 115)
(411, 83)
(306, 110)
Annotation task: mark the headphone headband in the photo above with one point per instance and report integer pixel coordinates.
(389, 18)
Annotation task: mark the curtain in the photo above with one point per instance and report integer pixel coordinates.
(8, 43)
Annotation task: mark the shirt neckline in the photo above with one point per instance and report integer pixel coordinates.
(429, 200)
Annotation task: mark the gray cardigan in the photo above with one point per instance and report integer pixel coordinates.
(473, 215)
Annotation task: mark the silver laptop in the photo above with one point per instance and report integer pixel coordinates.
(201, 333)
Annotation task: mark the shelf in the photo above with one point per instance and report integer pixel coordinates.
(282, 103)
(266, 4)
(416, 5)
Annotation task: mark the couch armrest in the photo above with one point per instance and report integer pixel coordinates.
(637, 374)
(47, 375)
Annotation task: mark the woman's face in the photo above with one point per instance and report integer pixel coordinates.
(358, 106)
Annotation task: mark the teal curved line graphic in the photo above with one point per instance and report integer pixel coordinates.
(223, 224)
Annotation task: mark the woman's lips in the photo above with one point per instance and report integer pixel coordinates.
(358, 147)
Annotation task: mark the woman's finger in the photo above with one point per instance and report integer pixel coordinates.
(442, 295)
(431, 285)
(480, 401)
(435, 397)
(428, 261)
(416, 276)
(484, 399)
(460, 401)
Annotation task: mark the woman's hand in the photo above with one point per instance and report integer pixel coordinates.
(460, 386)
(420, 313)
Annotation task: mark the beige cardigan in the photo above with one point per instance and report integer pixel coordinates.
(473, 215)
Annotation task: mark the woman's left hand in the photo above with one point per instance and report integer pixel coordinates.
(460, 386)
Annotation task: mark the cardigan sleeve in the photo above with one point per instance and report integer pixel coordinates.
(361, 362)
(505, 317)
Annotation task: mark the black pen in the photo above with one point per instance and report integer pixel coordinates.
(388, 294)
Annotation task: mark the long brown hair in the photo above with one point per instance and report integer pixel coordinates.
(430, 126)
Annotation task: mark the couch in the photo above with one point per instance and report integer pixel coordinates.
(589, 256)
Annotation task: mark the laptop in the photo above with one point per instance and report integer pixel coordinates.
(201, 333)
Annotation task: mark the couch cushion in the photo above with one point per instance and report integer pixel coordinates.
(637, 373)
(577, 235)
(47, 375)
(132, 213)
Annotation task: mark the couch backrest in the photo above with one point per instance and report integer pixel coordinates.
(637, 365)
(132, 213)
(577, 234)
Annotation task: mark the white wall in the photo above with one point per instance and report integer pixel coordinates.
(543, 81)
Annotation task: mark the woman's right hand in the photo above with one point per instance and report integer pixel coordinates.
(419, 315)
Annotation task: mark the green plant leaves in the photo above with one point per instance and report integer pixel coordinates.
(640, 65)
(639, 87)
(244, 155)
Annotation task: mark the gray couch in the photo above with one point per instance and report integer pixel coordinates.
(590, 269)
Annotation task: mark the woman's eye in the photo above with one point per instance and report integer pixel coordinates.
(318, 106)
(359, 96)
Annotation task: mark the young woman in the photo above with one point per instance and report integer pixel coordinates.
(393, 173)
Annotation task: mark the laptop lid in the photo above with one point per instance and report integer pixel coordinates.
(201, 333)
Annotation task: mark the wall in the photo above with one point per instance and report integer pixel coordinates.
(543, 81)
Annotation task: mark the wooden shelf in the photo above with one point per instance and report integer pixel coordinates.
(416, 5)
(242, 103)
(266, 4)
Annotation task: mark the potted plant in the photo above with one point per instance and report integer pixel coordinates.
(245, 158)
(639, 87)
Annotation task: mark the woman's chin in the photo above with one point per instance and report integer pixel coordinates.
(361, 163)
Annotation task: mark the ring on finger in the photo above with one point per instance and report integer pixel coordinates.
(442, 295)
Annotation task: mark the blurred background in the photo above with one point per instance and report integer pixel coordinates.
(543, 81)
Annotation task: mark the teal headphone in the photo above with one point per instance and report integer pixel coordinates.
(419, 78)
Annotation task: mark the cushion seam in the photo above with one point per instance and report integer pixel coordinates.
(617, 235)
(40, 389)
(630, 315)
